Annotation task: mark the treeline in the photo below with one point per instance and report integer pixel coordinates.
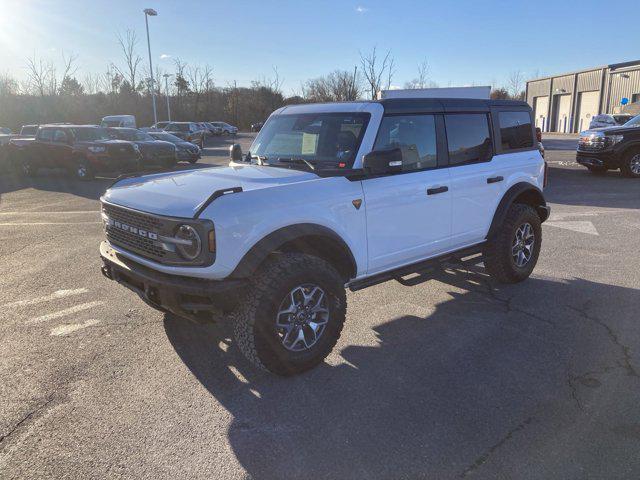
(52, 95)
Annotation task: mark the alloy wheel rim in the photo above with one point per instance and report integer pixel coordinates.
(302, 317)
(635, 164)
(523, 244)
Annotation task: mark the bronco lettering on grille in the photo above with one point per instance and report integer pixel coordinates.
(131, 229)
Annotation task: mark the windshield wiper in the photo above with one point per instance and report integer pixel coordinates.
(297, 161)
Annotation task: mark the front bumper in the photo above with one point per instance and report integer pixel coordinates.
(187, 155)
(604, 158)
(191, 298)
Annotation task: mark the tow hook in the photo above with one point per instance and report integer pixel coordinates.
(106, 271)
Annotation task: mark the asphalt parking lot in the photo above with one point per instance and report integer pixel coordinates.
(454, 378)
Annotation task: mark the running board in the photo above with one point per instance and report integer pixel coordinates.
(423, 271)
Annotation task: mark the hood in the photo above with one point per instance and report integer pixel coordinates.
(616, 130)
(180, 194)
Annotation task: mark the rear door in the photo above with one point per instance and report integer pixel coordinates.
(42, 149)
(409, 213)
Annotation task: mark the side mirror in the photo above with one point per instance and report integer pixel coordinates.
(383, 161)
(235, 153)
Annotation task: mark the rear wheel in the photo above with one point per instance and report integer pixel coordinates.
(631, 164)
(292, 315)
(511, 255)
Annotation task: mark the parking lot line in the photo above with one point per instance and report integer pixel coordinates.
(67, 311)
(54, 296)
(74, 327)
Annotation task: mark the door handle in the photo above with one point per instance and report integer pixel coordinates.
(495, 179)
(436, 190)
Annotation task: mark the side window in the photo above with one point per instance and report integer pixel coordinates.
(414, 134)
(468, 137)
(45, 135)
(515, 130)
(59, 136)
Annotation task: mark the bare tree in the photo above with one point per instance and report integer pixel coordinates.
(128, 45)
(8, 85)
(515, 84)
(422, 80)
(338, 86)
(374, 70)
(40, 74)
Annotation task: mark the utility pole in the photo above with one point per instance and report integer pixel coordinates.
(150, 12)
(166, 85)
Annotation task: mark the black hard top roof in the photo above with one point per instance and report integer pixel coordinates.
(398, 105)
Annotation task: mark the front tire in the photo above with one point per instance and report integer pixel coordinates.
(511, 255)
(83, 170)
(292, 315)
(631, 165)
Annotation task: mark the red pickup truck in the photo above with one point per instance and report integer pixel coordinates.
(82, 150)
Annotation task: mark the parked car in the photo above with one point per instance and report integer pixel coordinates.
(213, 129)
(256, 127)
(226, 128)
(539, 139)
(337, 195)
(185, 151)
(5, 131)
(609, 120)
(152, 151)
(189, 131)
(610, 148)
(158, 126)
(82, 150)
(128, 121)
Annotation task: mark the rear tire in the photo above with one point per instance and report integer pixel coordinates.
(631, 164)
(597, 170)
(511, 255)
(290, 294)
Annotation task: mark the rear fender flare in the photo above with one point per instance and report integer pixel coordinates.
(522, 190)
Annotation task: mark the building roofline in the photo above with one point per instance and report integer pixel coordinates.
(611, 66)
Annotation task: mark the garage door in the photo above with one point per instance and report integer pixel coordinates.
(587, 108)
(540, 110)
(562, 118)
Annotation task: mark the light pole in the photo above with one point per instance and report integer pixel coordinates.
(166, 86)
(150, 12)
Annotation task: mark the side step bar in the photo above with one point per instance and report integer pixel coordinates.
(423, 271)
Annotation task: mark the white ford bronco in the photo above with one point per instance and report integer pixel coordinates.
(329, 197)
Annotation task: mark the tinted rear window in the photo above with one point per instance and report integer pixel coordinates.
(515, 130)
(468, 138)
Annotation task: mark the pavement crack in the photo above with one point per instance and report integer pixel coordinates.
(615, 339)
(482, 459)
(26, 418)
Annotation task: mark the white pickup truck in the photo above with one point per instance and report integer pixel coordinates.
(329, 197)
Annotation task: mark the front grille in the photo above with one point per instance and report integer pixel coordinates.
(123, 236)
(121, 151)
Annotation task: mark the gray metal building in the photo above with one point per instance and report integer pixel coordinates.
(566, 103)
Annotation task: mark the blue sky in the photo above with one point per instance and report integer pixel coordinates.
(464, 42)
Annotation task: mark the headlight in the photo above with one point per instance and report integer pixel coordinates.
(613, 139)
(191, 245)
(97, 149)
(136, 147)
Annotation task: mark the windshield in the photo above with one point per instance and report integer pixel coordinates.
(135, 136)
(621, 119)
(167, 137)
(110, 123)
(29, 130)
(90, 134)
(634, 122)
(329, 139)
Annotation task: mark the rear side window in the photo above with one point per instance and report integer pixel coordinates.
(515, 130)
(46, 135)
(415, 135)
(468, 137)
(60, 136)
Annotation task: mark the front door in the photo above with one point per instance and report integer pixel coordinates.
(408, 213)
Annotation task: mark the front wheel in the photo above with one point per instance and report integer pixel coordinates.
(631, 165)
(511, 255)
(83, 170)
(292, 315)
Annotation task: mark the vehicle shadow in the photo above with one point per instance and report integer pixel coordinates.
(579, 187)
(431, 395)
